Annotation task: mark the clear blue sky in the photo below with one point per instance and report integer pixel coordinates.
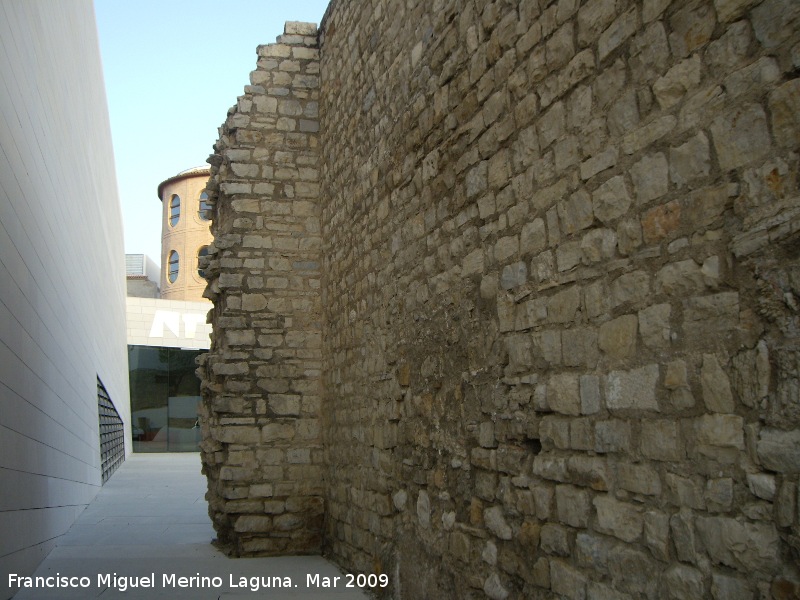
(172, 69)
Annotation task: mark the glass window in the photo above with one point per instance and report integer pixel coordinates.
(165, 394)
(174, 210)
(204, 206)
(200, 254)
(174, 259)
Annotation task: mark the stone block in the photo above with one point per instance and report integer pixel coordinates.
(633, 287)
(731, 49)
(650, 177)
(486, 435)
(505, 248)
(785, 504)
(775, 21)
(560, 47)
(647, 134)
(725, 587)
(690, 161)
(568, 255)
(477, 179)
(240, 337)
(654, 326)
(567, 581)
(661, 440)
(284, 405)
(575, 213)
(599, 591)
(590, 394)
(253, 302)
(596, 299)
(684, 537)
(656, 534)
(784, 108)
(495, 522)
(552, 468)
(629, 236)
(612, 436)
(661, 222)
(611, 200)
(620, 519)
(473, 263)
(593, 17)
(716, 387)
(555, 431)
(638, 478)
(580, 347)
(741, 137)
(650, 53)
(581, 434)
(719, 494)
(598, 245)
(592, 551)
(237, 435)
(618, 32)
(493, 588)
(680, 278)
(229, 368)
(692, 27)
(549, 344)
(499, 170)
(563, 394)
(552, 124)
(533, 238)
(750, 548)
(424, 509)
(561, 307)
(519, 352)
(680, 79)
(683, 582)
(623, 116)
(761, 485)
(252, 524)
(720, 430)
(634, 389)
(543, 500)
(590, 471)
(779, 450)
(617, 338)
(599, 162)
(764, 72)
(572, 505)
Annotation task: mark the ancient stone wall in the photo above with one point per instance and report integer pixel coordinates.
(262, 448)
(560, 246)
(560, 285)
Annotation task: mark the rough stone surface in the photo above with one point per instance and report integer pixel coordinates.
(512, 289)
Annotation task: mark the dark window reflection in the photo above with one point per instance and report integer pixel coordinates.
(165, 393)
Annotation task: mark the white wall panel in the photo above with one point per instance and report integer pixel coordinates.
(62, 264)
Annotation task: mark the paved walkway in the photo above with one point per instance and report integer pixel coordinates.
(151, 520)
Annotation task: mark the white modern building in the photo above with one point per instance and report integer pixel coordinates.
(64, 412)
(142, 276)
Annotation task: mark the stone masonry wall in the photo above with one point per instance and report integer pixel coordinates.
(537, 332)
(560, 247)
(262, 448)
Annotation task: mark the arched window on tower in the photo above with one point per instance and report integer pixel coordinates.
(200, 254)
(205, 208)
(174, 259)
(174, 210)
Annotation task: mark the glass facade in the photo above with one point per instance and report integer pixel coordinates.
(165, 394)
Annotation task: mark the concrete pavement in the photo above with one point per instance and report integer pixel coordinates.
(149, 526)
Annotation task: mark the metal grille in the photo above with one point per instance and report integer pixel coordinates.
(112, 433)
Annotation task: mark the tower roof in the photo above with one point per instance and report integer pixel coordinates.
(193, 172)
